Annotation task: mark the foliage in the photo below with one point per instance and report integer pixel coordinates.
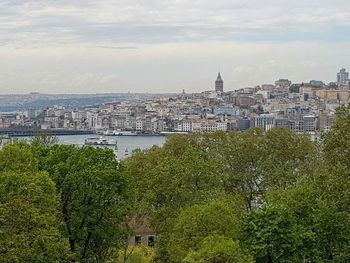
(320, 204)
(218, 249)
(197, 222)
(94, 199)
(44, 140)
(288, 157)
(136, 254)
(294, 88)
(177, 175)
(28, 223)
(257, 161)
(17, 157)
(248, 196)
(336, 143)
(173, 182)
(272, 234)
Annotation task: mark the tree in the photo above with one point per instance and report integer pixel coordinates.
(195, 223)
(319, 204)
(272, 234)
(29, 227)
(218, 249)
(176, 186)
(44, 140)
(336, 143)
(136, 254)
(257, 162)
(95, 199)
(17, 157)
(294, 88)
(179, 174)
(243, 153)
(287, 158)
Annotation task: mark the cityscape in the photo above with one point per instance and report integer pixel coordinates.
(177, 131)
(302, 107)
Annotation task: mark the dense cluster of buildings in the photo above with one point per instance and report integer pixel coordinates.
(303, 107)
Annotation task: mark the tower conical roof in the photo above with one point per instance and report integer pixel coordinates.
(219, 77)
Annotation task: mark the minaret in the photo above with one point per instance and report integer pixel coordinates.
(219, 84)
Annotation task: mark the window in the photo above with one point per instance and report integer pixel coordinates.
(151, 241)
(138, 240)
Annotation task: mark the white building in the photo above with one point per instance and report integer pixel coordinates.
(264, 122)
(343, 77)
(139, 124)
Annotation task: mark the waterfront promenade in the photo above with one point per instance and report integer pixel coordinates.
(33, 132)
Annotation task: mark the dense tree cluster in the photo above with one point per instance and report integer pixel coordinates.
(251, 196)
(210, 198)
(61, 203)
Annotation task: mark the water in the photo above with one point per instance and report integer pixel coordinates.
(125, 144)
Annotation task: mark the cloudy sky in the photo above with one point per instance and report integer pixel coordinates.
(89, 46)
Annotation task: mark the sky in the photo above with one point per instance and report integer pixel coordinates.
(96, 46)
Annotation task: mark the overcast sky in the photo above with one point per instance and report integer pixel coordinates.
(89, 46)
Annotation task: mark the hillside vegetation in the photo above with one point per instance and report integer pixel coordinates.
(209, 198)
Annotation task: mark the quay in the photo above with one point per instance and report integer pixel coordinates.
(33, 132)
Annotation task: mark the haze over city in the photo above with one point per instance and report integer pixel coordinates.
(166, 46)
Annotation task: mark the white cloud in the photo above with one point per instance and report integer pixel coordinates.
(163, 21)
(166, 67)
(167, 45)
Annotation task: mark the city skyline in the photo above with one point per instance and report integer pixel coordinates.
(158, 47)
(342, 78)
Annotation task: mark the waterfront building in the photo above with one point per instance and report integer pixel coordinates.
(140, 125)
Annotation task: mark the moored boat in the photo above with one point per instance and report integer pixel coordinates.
(99, 141)
(119, 133)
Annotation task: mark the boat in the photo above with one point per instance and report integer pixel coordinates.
(99, 141)
(4, 139)
(126, 153)
(119, 133)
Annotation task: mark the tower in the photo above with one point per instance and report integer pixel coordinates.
(219, 84)
(342, 77)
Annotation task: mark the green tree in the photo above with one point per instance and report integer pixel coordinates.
(218, 249)
(294, 88)
(334, 189)
(257, 162)
(179, 174)
(196, 222)
(17, 157)
(336, 142)
(136, 254)
(95, 199)
(272, 234)
(319, 204)
(288, 157)
(243, 154)
(44, 140)
(28, 220)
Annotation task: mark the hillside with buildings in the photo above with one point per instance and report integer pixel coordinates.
(301, 107)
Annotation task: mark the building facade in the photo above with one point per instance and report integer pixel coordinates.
(342, 77)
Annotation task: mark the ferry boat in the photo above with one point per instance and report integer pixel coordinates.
(99, 141)
(119, 133)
